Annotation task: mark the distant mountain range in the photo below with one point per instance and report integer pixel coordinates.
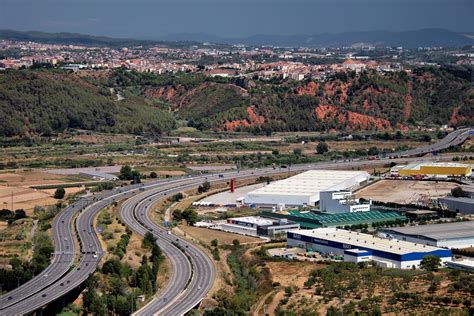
(410, 39)
(66, 38)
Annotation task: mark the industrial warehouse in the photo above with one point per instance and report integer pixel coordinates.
(461, 205)
(433, 169)
(311, 219)
(304, 189)
(334, 202)
(256, 226)
(358, 247)
(449, 235)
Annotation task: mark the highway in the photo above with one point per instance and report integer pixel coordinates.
(63, 259)
(193, 272)
(452, 139)
(58, 278)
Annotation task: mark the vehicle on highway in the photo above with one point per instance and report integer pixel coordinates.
(52, 295)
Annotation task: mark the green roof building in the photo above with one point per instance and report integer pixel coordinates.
(310, 220)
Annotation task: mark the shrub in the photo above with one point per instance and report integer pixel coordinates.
(60, 193)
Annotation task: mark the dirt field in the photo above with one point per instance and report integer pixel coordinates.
(207, 235)
(29, 177)
(27, 199)
(102, 139)
(287, 273)
(19, 182)
(405, 191)
(292, 272)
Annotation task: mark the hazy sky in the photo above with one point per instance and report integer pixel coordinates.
(233, 18)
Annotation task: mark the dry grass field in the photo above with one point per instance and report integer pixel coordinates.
(18, 184)
(27, 198)
(207, 235)
(289, 273)
(102, 139)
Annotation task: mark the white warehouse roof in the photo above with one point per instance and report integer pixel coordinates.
(356, 239)
(305, 187)
(253, 220)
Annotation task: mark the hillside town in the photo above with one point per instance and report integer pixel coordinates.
(229, 60)
(234, 158)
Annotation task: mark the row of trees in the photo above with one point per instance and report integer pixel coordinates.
(117, 293)
(121, 247)
(11, 216)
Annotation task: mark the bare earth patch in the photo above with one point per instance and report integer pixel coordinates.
(291, 272)
(405, 191)
(17, 184)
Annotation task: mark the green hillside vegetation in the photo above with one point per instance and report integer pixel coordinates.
(214, 101)
(434, 93)
(368, 100)
(44, 102)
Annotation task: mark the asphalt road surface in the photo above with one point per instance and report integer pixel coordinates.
(194, 272)
(452, 139)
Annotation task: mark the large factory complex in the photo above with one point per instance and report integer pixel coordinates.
(318, 211)
(305, 188)
(358, 247)
(433, 169)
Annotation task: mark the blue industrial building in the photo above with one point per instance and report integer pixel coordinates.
(358, 247)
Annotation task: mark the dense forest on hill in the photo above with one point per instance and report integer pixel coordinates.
(42, 102)
(347, 101)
